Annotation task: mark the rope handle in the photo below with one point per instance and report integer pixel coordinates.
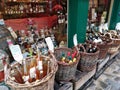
(108, 35)
(77, 48)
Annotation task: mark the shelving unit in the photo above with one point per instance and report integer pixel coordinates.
(24, 8)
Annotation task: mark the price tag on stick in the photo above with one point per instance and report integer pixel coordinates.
(16, 53)
(75, 40)
(49, 44)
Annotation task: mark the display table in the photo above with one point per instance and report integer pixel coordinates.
(21, 24)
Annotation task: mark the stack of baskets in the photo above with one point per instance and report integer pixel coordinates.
(46, 83)
(88, 61)
(65, 71)
(116, 41)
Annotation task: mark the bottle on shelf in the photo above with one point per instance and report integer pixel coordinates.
(14, 35)
(19, 39)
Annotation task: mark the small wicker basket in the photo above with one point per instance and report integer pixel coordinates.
(88, 61)
(65, 71)
(46, 83)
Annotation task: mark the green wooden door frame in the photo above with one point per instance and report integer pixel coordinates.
(115, 14)
(77, 20)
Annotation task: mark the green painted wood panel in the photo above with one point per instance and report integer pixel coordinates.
(115, 16)
(82, 20)
(77, 20)
(72, 21)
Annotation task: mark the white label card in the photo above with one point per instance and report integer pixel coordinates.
(10, 28)
(32, 72)
(2, 22)
(16, 53)
(49, 44)
(40, 67)
(75, 40)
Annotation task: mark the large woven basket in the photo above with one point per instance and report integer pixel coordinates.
(88, 61)
(116, 42)
(65, 71)
(46, 83)
(103, 48)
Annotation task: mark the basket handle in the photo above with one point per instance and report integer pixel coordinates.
(108, 34)
(6, 71)
(54, 61)
(81, 46)
(52, 55)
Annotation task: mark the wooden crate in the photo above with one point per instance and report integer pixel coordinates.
(81, 78)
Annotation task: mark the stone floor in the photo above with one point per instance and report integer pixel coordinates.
(110, 79)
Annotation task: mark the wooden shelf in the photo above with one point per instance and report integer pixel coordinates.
(24, 8)
(11, 3)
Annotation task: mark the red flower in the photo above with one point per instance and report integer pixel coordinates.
(57, 7)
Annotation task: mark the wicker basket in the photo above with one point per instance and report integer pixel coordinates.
(116, 42)
(65, 71)
(113, 49)
(88, 61)
(104, 49)
(46, 83)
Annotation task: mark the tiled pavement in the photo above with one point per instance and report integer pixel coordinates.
(110, 79)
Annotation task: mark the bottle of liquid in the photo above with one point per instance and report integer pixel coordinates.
(90, 49)
(45, 67)
(74, 56)
(39, 70)
(69, 58)
(32, 70)
(14, 35)
(25, 71)
(19, 40)
(95, 49)
(46, 32)
(53, 40)
(63, 57)
(16, 76)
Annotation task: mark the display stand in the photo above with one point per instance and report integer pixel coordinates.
(83, 80)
